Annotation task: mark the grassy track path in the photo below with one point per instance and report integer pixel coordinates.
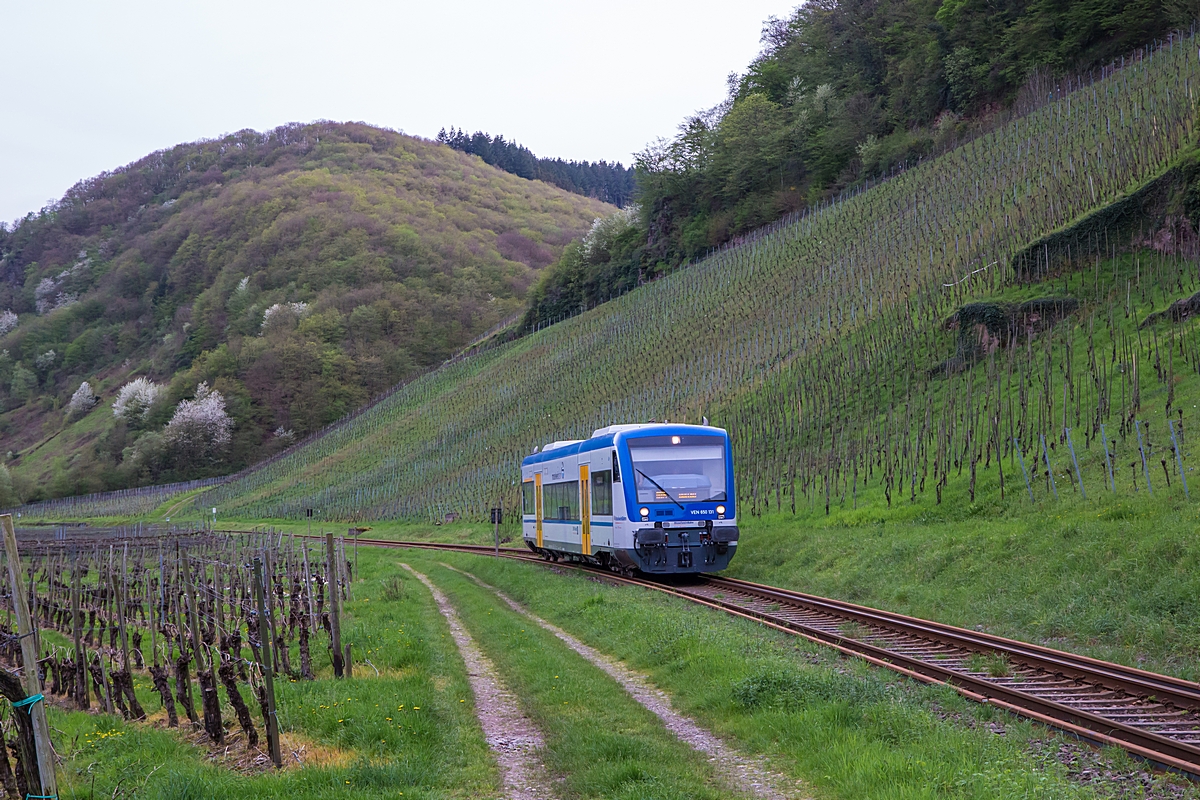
(600, 742)
(512, 736)
(741, 773)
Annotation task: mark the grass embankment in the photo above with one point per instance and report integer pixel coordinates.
(408, 731)
(845, 729)
(1113, 578)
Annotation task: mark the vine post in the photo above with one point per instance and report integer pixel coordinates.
(29, 658)
(267, 667)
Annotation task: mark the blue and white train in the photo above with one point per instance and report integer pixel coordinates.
(658, 498)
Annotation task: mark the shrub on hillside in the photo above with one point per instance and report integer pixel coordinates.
(8, 496)
(200, 430)
(83, 401)
(283, 313)
(8, 321)
(135, 399)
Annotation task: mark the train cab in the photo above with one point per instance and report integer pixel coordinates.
(656, 498)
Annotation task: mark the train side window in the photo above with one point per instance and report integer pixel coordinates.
(602, 502)
(616, 470)
(560, 501)
(527, 499)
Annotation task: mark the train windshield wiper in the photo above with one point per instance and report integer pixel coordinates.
(661, 489)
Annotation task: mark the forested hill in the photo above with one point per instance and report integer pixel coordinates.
(849, 89)
(295, 273)
(844, 91)
(612, 183)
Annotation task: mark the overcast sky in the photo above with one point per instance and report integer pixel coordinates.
(90, 86)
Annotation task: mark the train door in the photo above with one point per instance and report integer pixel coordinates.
(585, 511)
(600, 502)
(537, 505)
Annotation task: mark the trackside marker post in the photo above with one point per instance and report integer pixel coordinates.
(29, 659)
(497, 518)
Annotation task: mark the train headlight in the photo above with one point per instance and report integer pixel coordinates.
(675, 440)
(645, 512)
(720, 509)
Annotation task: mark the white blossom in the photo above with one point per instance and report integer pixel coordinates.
(243, 285)
(83, 401)
(48, 296)
(45, 360)
(286, 434)
(8, 321)
(43, 295)
(280, 310)
(605, 230)
(135, 399)
(200, 427)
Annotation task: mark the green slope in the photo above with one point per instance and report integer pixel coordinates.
(812, 341)
(403, 251)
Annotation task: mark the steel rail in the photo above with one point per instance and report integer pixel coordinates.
(1063, 690)
(1183, 693)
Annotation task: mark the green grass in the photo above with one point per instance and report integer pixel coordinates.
(846, 729)
(599, 740)
(1114, 577)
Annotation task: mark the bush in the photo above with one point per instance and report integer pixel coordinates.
(200, 430)
(83, 401)
(135, 399)
(8, 496)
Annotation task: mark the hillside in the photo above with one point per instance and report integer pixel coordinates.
(818, 341)
(850, 90)
(296, 272)
(842, 95)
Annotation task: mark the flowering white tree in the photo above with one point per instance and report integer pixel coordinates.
(605, 231)
(8, 321)
(201, 428)
(47, 295)
(45, 360)
(135, 399)
(281, 311)
(43, 295)
(83, 401)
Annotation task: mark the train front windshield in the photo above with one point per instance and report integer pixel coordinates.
(679, 468)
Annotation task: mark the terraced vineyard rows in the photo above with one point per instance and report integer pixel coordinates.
(812, 342)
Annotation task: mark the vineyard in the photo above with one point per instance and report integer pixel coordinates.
(123, 503)
(818, 341)
(198, 614)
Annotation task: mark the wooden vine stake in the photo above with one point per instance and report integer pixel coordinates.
(335, 604)
(268, 678)
(29, 658)
(81, 676)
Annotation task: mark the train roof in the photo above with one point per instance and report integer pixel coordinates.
(605, 437)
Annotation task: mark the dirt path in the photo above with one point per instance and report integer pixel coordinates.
(741, 772)
(512, 736)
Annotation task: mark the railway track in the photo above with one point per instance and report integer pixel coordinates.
(1155, 717)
